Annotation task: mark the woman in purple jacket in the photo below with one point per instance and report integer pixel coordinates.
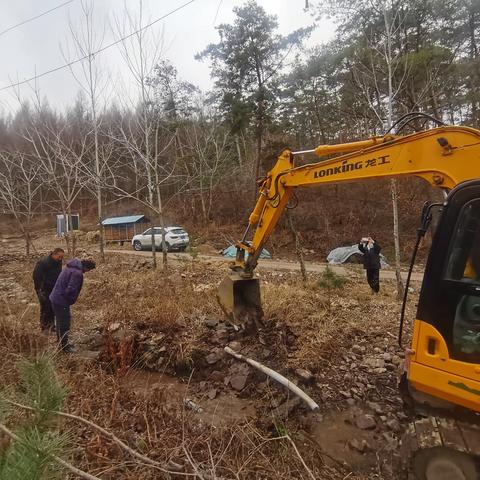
(64, 294)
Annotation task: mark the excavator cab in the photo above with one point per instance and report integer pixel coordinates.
(446, 340)
(443, 370)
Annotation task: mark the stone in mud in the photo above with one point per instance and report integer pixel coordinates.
(396, 360)
(375, 407)
(216, 376)
(213, 357)
(373, 362)
(391, 443)
(238, 382)
(220, 336)
(266, 353)
(286, 408)
(304, 375)
(359, 445)
(387, 357)
(365, 422)
(211, 322)
(236, 346)
(96, 340)
(358, 349)
(212, 393)
(394, 425)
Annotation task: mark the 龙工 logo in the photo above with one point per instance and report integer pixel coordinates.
(345, 166)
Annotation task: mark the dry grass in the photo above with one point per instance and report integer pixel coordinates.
(308, 327)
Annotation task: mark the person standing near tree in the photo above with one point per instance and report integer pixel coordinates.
(65, 294)
(45, 275)
(371, 261)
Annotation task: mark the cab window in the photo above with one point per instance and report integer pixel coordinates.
(462, 274)
(464, 256)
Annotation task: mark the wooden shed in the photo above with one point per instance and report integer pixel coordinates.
(122, 229)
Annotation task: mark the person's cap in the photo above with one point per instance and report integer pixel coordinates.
(88, 264)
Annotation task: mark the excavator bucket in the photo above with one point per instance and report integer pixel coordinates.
(240, 300)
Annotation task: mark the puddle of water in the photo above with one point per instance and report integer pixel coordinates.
(333, 435)
(223, 410)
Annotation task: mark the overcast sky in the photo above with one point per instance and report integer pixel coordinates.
(37, 46)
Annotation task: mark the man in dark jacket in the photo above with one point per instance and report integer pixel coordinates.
(45, 275)
(64, 294)
(371, 261)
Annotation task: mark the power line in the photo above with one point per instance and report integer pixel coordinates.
(34, 18)
(73, 62)
(218, 9)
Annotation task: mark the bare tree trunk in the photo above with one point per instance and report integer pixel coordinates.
(164, 243)
(298, 245)
(161, 220)
(260, 126)
(258, 156)
(393, 182)
(101, 240)
(84, 41)
(396, 238)
(239, 152)
(154, 247)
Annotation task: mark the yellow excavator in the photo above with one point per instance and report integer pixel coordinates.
(442, 364)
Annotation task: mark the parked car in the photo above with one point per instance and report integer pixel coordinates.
(176, 238)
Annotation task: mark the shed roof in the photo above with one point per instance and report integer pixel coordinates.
(122, 220)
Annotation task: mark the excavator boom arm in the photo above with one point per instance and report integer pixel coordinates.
(444, 157)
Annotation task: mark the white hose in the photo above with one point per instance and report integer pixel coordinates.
(276, 376)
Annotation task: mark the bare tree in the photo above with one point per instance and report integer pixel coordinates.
(381, 81)
(20, 185)
(141, 53)
(143, 185)
(90, 77)
(60, 156)
(208, 163)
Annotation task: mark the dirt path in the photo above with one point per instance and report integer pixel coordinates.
(282, 265)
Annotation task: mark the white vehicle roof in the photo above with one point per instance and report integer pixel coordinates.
(168, 228)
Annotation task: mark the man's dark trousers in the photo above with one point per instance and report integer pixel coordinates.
(373, 278)
(62, 323)
(47, 316)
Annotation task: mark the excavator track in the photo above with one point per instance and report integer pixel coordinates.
(440, 448)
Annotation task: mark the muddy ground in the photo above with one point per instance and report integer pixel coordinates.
(151, 368)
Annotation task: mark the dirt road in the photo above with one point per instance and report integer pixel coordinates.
(280, 265)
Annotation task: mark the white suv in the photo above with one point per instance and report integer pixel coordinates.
(175, 238)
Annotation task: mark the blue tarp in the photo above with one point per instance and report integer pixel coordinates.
(231, 252)
(122, 220)
(345, 254)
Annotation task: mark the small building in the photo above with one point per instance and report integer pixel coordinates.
(122, 229)
(72, 223)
